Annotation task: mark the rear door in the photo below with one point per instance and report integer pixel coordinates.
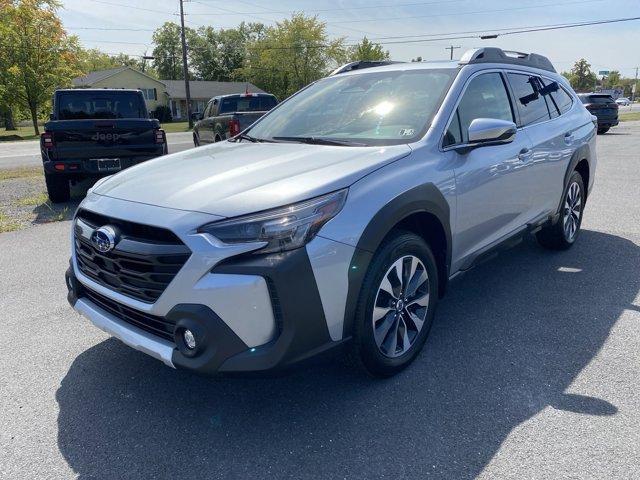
(493, 194)
(551, 134)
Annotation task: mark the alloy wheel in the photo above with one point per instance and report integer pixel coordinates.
(401, 305)
(572, 211)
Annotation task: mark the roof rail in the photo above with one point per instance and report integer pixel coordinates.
(361, 64)
(497, 55)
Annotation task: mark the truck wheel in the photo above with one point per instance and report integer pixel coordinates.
(603, 130)
(217, 138)
(58, 188)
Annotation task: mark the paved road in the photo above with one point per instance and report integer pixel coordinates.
(27, 154)
(532, 371)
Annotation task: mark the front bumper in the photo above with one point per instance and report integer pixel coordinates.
(249, 312)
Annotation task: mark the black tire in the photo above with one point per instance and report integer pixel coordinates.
(58, 188)
(556, 237)
(217, 138)
(603, 130)
(365, 349)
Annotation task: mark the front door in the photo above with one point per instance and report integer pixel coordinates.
(492, 191)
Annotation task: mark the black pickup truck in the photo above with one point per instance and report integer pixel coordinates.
(94, 133)
(226, 116)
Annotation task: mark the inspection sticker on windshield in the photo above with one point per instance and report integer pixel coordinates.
(407, 132)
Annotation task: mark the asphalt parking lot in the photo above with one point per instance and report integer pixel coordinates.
(532, 370)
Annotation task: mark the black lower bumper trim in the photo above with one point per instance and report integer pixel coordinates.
(302, 328)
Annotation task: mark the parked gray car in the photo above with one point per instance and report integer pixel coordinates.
(337, 219)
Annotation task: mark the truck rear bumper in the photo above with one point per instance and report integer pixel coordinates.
(91, 167)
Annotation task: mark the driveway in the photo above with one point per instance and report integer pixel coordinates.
(27, 153)
(532, 370)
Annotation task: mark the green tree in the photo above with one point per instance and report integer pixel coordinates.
(217, 54)
(168, 50)
(291, 54)
(38, 56)
(581, 77)
(368, 50)
(613, 80)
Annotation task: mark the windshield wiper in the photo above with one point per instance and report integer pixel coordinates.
(246, 136)
(321, 141)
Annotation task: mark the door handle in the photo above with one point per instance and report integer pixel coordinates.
(568, 138)
(525, 154)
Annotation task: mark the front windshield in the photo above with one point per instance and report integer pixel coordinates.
(370, 108)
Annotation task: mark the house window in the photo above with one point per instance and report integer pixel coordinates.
(149, 93)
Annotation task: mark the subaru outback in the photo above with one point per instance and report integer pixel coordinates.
(338, 218)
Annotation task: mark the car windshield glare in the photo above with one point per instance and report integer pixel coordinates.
(369, 108)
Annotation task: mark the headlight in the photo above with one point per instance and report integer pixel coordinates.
(282, 228)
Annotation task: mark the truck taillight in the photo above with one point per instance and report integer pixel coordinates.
(160, 136)
(234, 127)
(47, 140)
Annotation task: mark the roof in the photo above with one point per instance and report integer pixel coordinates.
(93, 77)
(206, 89)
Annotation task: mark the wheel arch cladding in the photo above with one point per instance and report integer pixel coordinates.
(422, 210)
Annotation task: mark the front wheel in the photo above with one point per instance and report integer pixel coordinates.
(603, 130)
(564, 233)
(58, 188)
(396, 306)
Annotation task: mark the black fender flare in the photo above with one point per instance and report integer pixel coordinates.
(581, 153)
(425, 198)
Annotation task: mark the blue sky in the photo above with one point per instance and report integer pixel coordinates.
(614, 46)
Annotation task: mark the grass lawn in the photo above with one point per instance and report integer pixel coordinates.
(175, 127)
(628, 116)
(23, 133)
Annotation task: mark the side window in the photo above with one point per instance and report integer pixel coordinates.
(454, 133)
(485, 97)
(532, 105)
(207, 111)
(559, 96)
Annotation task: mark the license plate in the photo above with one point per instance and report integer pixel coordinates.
(108, 164)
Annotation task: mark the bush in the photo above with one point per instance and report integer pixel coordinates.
(163, 114)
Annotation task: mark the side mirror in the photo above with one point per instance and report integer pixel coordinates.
(491, 131)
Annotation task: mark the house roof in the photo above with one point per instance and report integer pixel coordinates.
(206, 89)
(93, 77)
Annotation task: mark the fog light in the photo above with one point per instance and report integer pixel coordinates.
(189, 339)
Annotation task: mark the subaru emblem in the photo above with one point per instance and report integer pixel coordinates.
(104, 239)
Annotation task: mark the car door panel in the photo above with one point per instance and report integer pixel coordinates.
(493, 195)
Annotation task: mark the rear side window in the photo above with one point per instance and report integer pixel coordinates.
(560, 99)
(247, 103)
(485, 97)
(532, 105)
(100, 105)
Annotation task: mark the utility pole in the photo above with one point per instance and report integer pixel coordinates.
(451, 49)
(634, 90)
(185, 67)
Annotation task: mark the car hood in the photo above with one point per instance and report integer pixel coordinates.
(230, 178)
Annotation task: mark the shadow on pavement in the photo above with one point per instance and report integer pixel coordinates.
(509, 339)
(55, 212)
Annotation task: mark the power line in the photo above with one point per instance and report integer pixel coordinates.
(323, 10)
(475, 12)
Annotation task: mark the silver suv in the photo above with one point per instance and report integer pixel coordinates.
(338, 218)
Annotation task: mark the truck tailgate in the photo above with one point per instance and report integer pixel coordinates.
(85, 139)
(246, 119)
